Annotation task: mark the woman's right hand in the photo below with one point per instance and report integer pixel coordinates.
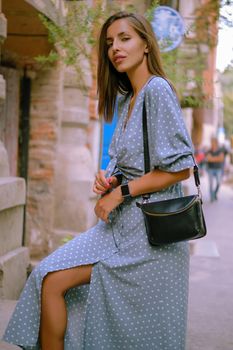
(102, 185)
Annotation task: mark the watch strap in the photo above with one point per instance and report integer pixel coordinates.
(125, 191)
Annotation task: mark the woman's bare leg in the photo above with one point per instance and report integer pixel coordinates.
(53, 309)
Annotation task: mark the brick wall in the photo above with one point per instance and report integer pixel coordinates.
(46, 100)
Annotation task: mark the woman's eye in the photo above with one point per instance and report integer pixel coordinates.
(125, 38)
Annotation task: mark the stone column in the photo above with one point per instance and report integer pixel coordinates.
(46, 107)
(74, 200)
(14, 259)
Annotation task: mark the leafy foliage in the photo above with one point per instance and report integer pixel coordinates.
(76, 38)
(186, 64)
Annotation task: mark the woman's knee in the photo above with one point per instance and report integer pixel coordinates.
(52, 284)
(58, 282)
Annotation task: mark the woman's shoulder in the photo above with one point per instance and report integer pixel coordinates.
(159, 89)
(158, 84)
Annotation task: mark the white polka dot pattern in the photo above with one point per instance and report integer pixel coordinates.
(137, 298)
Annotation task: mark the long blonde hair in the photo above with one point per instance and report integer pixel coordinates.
(110, 81)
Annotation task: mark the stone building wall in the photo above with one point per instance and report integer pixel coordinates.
(46, 107)
(202, 121)
(63, 147)
(14, 259)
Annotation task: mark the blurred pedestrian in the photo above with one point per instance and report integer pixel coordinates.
(215, 163)
(226, 152)
(109, 288)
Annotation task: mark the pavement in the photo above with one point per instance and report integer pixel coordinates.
(210, 318)
(210, 325)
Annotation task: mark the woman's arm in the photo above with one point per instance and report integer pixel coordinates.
(156, 180)
(153, 181)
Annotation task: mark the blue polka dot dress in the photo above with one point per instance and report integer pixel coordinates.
(137, 297)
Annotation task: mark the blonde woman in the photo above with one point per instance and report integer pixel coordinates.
(109, 288)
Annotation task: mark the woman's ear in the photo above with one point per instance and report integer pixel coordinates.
(146, 49)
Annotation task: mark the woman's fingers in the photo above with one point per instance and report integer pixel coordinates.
(101, 184)
(98, 190)
(101, 212)
(101, 179)
(112, 181)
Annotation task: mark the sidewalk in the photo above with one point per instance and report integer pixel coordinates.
(210, 325)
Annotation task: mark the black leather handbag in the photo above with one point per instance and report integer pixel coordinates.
(172, 220)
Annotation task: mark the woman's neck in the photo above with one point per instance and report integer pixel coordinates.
(138, 78)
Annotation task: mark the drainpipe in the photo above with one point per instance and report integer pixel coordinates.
(25, 99)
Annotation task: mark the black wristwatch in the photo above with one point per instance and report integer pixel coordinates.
(125, 191)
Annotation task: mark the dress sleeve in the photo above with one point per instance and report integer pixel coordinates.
(169, 143)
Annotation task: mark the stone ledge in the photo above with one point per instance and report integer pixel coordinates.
(11, 224)
(12, 192)
(13, 273)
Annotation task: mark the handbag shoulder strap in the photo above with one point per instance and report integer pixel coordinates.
(147, 167)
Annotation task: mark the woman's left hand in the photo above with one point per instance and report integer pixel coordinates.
(107, 203)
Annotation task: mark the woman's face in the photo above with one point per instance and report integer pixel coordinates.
(126, 49)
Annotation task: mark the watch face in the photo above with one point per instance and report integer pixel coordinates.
(125, 190)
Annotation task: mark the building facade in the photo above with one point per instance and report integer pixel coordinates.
(49, 130)
(14, 258)
(45, 129)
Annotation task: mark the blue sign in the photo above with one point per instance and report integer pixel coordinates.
(108, 130)
(168, 26)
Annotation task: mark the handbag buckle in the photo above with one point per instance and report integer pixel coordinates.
(145, 198)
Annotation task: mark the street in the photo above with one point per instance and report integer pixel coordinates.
(210, 325)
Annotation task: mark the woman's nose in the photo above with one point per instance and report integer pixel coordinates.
(115, 45)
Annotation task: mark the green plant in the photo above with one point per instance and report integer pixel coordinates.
(75, 40)
(186, 64)
(66, 239)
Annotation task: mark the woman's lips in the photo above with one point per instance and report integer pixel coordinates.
(119, 59)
